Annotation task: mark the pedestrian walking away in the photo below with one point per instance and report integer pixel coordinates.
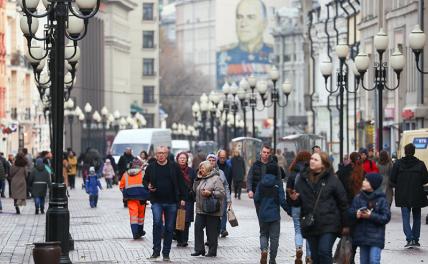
(297, 166)
(136, 196)
(72, 168)
(92, 185)
(210, 194)
(408, 176)
(124, 161)
(167, 190)
(238, 173)
(40, 182)
(189, 176)
(3, 176)
(18, 181)
(108, 173)
(369, 165)
(323, 207)
(385, 169)
(270, 197)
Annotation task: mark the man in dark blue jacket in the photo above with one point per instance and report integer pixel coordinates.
(269, 197)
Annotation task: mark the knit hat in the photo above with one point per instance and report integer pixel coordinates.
(375, 180)
(136, 164)
(91, 170)
(211, 156)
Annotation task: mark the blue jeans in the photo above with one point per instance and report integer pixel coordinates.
(39, 202)
(412, 233)
(370, 255)
(298, 239)
(269, 231)
(223, 218)
(321, 248)
(170, 213)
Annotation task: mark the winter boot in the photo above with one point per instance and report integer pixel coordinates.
(141, 231)
(17, 210)
(308, 260)
(299, 254)
(37, 211)
(263, 257)
(42, 210)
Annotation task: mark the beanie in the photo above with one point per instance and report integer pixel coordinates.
(136, 164)
(363, 150)
(211, 155)
(375, 180)
(91, 170)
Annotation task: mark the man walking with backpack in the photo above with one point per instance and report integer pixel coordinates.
(409, 174)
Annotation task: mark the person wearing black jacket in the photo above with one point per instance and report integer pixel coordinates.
(167, 189)
(329, 212)
(409, 174)
(124, 161)
(237, 173)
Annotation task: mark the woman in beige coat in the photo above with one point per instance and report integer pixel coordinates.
(207, 184)
(17, 177)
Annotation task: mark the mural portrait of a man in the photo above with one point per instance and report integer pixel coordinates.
(251, 55)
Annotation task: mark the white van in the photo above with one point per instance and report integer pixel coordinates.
(147, 139)
(178, 145)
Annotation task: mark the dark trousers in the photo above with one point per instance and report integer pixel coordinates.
(109, 183)
(183, 236)
(93, 200)
(321, 248)
(2, 187)
(237, 187)
(10, 188)
(72, 180)
(211, 224)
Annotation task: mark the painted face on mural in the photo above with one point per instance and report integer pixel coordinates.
(251, 21)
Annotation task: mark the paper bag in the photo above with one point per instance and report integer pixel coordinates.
(232, 218)
(180, 222)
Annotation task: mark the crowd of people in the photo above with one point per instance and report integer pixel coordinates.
(353, 201)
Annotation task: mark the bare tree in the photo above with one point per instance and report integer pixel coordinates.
(180, 86)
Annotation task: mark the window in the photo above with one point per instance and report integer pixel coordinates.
(148, 39)
(148, 94)
(148, 67)
(150, 118)
(148, 11)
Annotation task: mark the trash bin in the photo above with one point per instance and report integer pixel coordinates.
(47, 252)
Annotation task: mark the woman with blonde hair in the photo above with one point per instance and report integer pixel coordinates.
(210, 196)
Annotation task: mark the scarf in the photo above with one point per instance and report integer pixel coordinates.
(186, 176)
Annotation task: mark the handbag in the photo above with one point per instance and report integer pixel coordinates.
(343, 253)
(232, 217)
(180, 223)
(308, 221)
(210, 205)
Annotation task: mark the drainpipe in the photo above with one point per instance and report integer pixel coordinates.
(355, 44)
(331, 83)
(311, 103)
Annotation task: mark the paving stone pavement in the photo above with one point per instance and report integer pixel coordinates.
(102, 235)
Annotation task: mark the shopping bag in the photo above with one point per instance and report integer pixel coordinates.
(343, 254)
(232, 218)
(180, 222)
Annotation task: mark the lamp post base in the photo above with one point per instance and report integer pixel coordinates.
(58, 220)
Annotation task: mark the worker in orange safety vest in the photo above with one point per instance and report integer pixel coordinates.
(136, 196)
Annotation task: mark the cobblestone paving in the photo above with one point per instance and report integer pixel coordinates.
(103, 235)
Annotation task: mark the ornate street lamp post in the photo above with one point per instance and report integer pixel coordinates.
(88, 110)
(104, 119)
(396, 61)
(244, 86)
(204, 111)
(62, 21)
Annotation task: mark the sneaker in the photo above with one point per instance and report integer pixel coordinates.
(416, 243)
(166, 258)
(154, 255)
(263, 257)
(224, 233)
(409, 244)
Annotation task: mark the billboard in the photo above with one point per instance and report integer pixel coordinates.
(243, 38)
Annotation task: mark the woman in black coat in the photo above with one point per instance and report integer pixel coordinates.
(238, 173)
(330, 212)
